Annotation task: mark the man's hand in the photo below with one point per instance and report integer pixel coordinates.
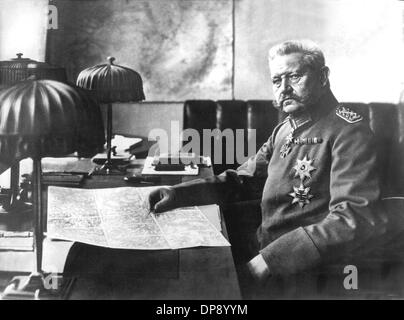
(162, 199)
(258, 268)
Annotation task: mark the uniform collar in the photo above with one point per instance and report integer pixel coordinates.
(296, 122)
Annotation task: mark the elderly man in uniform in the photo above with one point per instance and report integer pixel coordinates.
(322, 185)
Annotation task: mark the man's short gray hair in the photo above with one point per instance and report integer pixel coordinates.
(312, 54)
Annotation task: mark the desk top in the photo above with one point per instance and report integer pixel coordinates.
(103, 273)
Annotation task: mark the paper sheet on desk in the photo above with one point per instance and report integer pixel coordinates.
(117, 218)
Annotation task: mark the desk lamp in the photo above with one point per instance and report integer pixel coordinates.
(111, 83)
(44, 118)
(11, 72)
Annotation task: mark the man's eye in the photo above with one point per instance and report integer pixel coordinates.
(295, 76)
(276, 82)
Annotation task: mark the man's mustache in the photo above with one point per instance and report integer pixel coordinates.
(282, 99)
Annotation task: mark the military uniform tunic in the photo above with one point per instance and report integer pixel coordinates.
(320, 197)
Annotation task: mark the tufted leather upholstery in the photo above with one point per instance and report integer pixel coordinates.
(386, 121)
(233, 115)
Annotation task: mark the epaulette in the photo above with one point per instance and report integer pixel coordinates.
(348, 114)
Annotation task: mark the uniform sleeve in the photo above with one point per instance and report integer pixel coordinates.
(352, 219)
(257, 165)
(230, 186)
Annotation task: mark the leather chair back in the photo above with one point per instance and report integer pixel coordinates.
(258, 115)
(386, 120)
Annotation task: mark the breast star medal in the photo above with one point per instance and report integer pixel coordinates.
(301, 195)
(304, 168)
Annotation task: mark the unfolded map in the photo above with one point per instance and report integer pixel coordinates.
(119, 218)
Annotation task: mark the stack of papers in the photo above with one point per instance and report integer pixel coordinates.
(67, 164)
(16, 241)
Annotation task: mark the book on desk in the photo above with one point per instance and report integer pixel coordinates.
(65, 179)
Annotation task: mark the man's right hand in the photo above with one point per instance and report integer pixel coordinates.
(162, 199)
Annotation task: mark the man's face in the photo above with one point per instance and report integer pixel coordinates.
(295, 85)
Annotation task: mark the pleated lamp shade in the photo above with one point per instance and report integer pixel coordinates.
(19, 69)
(112, 83)
(40, 118)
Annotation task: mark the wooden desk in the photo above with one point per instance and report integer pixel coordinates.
(103, 273)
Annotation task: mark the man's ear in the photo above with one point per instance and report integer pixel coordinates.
(324, 73)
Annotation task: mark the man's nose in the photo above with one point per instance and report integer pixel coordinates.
(285, 85)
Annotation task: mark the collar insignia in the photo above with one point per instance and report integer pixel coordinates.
(348, 114)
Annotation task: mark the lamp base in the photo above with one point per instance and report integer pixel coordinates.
(38, 286)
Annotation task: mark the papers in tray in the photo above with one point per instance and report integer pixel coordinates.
(118, 218)
(16, 243)
(67, 164)
(62, 179)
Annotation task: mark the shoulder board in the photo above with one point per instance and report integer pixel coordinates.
(348, 114)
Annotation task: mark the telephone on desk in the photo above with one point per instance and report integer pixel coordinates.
(168, 163)
(177, 162)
